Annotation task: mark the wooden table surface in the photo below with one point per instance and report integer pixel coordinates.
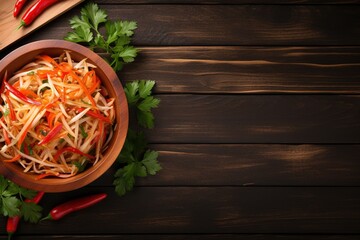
(258, 128)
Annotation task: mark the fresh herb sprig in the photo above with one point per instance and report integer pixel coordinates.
(135, 159)
(12, 201)
(138, 94)
(115, 41)
(138, 161)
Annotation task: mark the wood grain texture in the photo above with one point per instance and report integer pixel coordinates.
(210, 210)
(248, 69)
(251, 165)
(257, 119)
(233, 2)
(191, 237)
(9, 32)
(230, 25)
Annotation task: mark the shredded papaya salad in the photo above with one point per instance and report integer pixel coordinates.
(56, 117)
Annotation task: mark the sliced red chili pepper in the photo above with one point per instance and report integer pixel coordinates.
(35, 10)
(18, 6)
(21, 96)
(95, 115)
(62, 210)
(11, 108)
(52, 134)
(73, 150)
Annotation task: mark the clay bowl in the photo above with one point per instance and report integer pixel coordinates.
(25, 54)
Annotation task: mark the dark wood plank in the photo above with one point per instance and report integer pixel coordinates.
(230, 25)
(190, 237)
(251, 165)
(210, 210)
(248, 69)
(257, 119)
(230, 2)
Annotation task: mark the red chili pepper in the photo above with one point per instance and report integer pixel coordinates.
(74, 205)
(18, 6)
(12, 222)
(95, 115)
(35, 10)
(11, 225)
(51, 135)
(73, 150)
(37, 198)
(21, 96)
(11, 108)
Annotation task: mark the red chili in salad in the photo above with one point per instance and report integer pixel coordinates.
(61, 210)
(73, 150)
(20, 95)
(52, 134)
(35, 10)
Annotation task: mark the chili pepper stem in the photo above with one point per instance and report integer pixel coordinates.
(22, 24)
(48, 217)
(9, 235)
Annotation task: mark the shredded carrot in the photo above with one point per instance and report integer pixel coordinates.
(86, 91)
(14, 159)
(44, 175)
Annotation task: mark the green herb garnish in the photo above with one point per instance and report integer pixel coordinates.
(135, 159)
(115, 41)
(12, 201)
(82, 131)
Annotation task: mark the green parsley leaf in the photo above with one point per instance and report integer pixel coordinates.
(24, 192)
(148, 103)
(31, 212)
(128, 54)
(4, 183)
(115, 41)
(12, 201)
(94, 14)
(138, 161)
(150, 162)
(124, 179)
(10, 206)
(127, 28)
(145, 88)
(131, 90)
(145, 119)
(138, 94)
(81, 34)
(77, 21)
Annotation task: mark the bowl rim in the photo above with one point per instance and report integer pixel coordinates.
(8, 170)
